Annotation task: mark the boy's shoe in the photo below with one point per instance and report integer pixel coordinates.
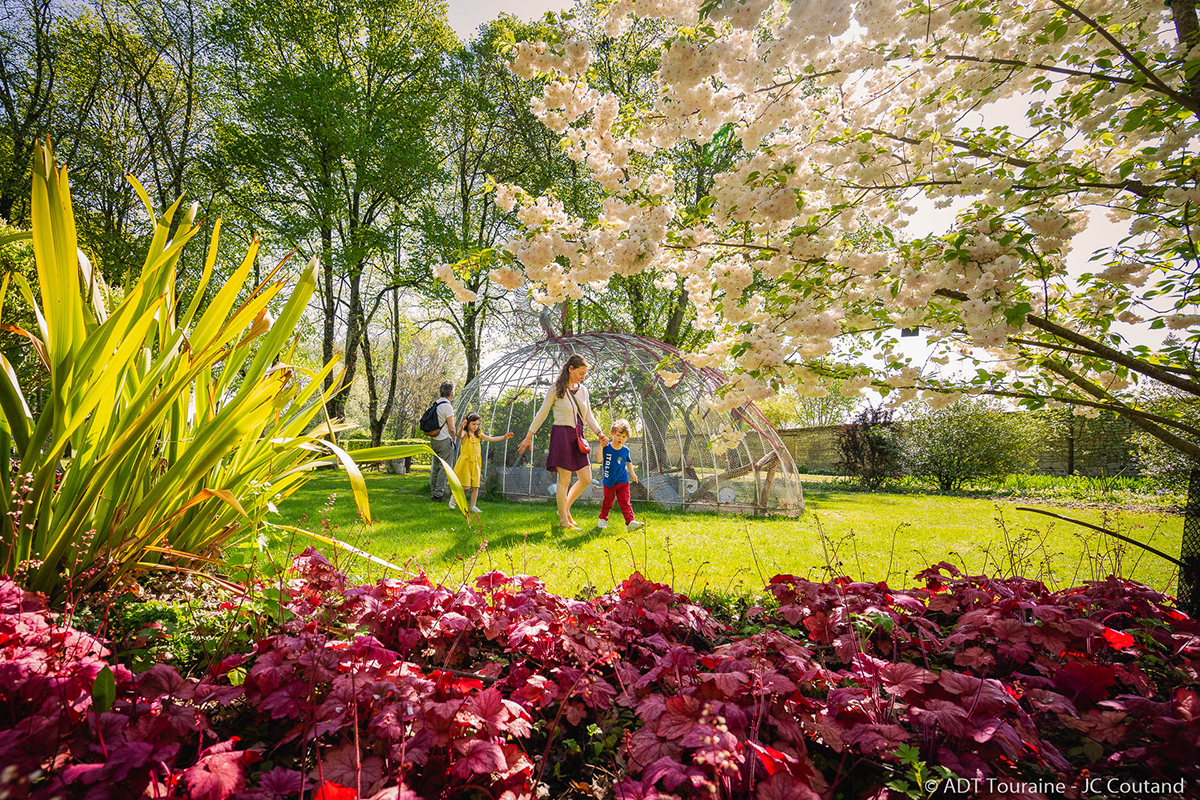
(475, 510)
(601, 524)
(635, 525)
(452, 503)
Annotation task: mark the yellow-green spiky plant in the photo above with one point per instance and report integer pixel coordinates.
(168, 430)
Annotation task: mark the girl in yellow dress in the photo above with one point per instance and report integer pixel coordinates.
(470, 458)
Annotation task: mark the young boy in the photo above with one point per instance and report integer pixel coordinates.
(616, 481)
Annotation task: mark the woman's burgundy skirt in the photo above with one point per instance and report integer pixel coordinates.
(564, 450)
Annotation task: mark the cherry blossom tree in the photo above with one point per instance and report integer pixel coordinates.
(1026, 120)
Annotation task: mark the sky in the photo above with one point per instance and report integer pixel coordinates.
(467, 15)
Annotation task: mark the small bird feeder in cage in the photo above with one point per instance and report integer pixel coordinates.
(686, 454)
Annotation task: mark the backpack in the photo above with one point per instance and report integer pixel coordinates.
(429, 420)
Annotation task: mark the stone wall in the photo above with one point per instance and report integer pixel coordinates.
(813, 449)
(1093, 447)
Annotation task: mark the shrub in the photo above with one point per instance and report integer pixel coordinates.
(867, 448)
(169, 429)
(967, 440)
(504, 690)
(1166, 466)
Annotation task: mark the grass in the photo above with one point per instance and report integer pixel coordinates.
(866, 536)
(1119, 490)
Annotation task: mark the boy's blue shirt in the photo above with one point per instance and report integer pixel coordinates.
(614, 465)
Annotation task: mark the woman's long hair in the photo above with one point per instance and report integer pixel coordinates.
(466, 425)
(564, 376)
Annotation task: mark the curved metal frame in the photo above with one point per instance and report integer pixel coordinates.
(623, 382)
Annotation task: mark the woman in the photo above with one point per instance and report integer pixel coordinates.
(568, 399)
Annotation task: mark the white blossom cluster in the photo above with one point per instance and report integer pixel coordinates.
(446, 274)
(846, 113)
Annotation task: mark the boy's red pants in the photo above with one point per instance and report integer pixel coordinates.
(620, 493)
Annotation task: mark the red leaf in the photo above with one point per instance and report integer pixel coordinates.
(333, 791)
(347, 767)
(1118, 639)
(219, 772)
(772, 760)
(682, 714)
(488, 705)
(820, 629)
(1087, 681)
(479, 757)
(902, 678)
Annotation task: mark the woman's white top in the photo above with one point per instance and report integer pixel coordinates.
(564, 410)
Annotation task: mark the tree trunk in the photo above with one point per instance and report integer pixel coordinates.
(377, 419)
(1187, 28)
(354, 335)
(674, 333)
(330, 301)
(470, 337)
(1189, 548)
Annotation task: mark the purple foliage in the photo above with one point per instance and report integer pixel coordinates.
(405, 689)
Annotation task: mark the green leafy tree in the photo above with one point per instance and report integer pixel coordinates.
(969, 439)
(1166, 465)
(328, 134)
(486, 133)
(28, 71)
(789, 408)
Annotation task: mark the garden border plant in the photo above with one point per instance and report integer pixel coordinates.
(170, 430)
(407, 689)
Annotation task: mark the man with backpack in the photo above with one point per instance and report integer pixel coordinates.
(438, 423)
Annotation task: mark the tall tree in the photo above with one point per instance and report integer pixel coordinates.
(130, 101)
(331, 106)
(487, 133)
(28, 70)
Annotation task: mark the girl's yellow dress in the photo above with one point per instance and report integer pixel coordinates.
(470, 462)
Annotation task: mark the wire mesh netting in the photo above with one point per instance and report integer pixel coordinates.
(673, 432)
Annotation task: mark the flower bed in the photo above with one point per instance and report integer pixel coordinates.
(404, 689)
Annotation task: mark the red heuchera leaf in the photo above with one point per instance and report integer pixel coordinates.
(882, 738)
(163, 680)
(400, 792)
(1187, 705)
(1118, 639)
(333, 791)
(901, 678)
(782, 786)
(281, 782)
(287, 701)
(340, 767)
(772, 760)
(629, 789)
(479, 757)
(820, 629)
(219, 772)
(730, 683)
(673, 774)
(1085, 680)
(682, 714)
(488, 706)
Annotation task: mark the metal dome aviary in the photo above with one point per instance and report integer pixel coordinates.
(674, 430)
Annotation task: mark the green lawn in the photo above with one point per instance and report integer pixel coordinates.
(865, 536)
